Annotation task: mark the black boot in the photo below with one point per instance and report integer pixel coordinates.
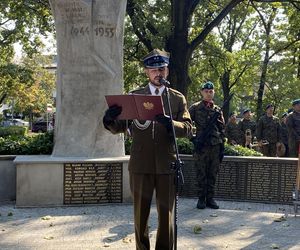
(201, 203)
(210, 202)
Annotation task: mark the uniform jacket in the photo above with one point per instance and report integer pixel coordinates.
(233, 132)
(152, 149)
(293, 126)
(201, 115)
(268, 128)
(284, 133)
(245, 124)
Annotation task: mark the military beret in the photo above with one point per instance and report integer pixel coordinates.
(297, 101)
(245, 111)
(269, 106)
(284, 114)
(207, 85)
(231, 114)
(156, 59)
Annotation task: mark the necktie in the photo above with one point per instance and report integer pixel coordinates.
(156, 91)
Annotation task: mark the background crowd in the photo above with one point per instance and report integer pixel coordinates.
(271, 135)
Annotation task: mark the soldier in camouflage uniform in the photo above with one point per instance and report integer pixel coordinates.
(284, 133)
(208, 159)
(293, 125)
(268, 129)
(246, 124)
(232, 131)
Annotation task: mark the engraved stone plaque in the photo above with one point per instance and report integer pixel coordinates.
(92, 183)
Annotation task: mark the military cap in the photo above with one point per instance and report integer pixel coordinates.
(207, 85)
(245, 111)
(269, 106)
(156, 59)
(284, 114)
(297, 101)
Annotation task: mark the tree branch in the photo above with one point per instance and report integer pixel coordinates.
(200, 38)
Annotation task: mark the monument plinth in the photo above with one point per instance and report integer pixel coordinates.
(90, 58)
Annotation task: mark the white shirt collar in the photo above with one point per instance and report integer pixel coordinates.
(152, 89)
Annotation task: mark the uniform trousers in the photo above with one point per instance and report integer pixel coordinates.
(207, 164)
(293, 148)
(142, 187)
(269, 150)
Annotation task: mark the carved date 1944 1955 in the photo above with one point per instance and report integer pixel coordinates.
(98, 31)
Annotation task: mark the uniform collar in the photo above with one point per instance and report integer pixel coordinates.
(153, 88)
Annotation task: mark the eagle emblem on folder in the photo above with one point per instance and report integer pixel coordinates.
(148, 105)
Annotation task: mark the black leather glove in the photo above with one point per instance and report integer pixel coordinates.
(164, 120)
(111, 114)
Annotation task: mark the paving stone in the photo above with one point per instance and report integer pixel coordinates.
(236, 225)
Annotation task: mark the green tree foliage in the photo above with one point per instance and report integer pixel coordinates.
(28, 85)
(202, 37)
(22, 21)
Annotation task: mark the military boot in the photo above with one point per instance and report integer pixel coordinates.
(201, 202)
(210, 202)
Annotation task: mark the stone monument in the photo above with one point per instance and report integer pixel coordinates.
(90, 57)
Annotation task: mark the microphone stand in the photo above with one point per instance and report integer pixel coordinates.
(175, 166)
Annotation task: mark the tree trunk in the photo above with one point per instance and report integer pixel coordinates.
(225, 81)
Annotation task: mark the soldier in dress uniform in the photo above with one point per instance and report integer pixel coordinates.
(208, 160)
(268, 129)
(245, 125)
(232, 131)
(152, 153)
(293, 126)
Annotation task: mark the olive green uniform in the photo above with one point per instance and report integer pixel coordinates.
(208, 160)
(284, 137)
(233, 133)
(152, 153)
(293, 126)
(268, 128)
(244, 125)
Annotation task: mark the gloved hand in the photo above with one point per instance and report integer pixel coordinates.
(164, 120)
(111, 114)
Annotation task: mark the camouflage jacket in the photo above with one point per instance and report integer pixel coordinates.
(293, 125)
(268, 128)
(201, 115)
(243, 126)
(233, 133)
(284, 133)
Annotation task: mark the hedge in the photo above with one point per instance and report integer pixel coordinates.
(13, 131)
(43, 144)
(27, 145)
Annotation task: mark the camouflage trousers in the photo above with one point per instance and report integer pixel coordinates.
(269, 150)
(207, 165)
(293, 148)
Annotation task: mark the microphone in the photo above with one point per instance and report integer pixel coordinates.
(164, 82)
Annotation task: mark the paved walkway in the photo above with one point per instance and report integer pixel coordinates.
(236, 225)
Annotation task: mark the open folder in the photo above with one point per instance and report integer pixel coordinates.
(135, 106)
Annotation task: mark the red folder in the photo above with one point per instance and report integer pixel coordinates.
(134, 106)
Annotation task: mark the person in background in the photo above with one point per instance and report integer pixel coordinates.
(293, 126)
(246, 125)
(284, 133)
(232, 131)
(208, 160)
(268, 129)
(152, 153)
